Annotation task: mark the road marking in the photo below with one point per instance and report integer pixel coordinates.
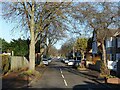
(60, 70)
(63, 76)
(65, 82)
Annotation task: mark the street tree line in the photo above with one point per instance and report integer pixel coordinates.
(81, 45)
(49, 21)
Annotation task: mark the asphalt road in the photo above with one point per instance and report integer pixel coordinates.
(59, 75)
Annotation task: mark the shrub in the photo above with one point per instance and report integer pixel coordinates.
(5, 63)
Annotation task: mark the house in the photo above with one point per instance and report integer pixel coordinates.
(112, 44)
(113, 50)
(93, 56)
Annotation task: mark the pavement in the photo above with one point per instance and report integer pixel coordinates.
(58, 75)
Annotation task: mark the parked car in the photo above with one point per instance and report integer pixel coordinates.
(66, 61)
(62, 59)
(76, 63)
(49, 59)
(45, 61)
(71, 62)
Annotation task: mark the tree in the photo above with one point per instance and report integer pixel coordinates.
(24, 13)
(67, 47)
(81, 45)
(35, 17)
(20, 47)
(4, 45)
(53, 51)
(49, 26)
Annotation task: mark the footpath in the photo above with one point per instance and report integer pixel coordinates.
(12, 80)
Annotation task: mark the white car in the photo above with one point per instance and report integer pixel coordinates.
(71, 62)
(45, 61)
(66, 61)
(49, 60)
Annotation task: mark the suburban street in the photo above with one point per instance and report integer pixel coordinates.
(60, 44)
(59, 75)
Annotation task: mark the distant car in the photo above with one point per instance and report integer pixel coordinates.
(62, 59)
(58, 57)
(66, 61)
(45, 61)
(71, 62)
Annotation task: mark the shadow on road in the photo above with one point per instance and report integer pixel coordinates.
(93, 86)
(83, 74)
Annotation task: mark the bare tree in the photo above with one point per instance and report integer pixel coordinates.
(36, 18)
(24, 13)
(49, 25)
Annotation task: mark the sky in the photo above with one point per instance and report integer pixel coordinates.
(6, 31)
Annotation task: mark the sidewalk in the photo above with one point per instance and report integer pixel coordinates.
(13, 80)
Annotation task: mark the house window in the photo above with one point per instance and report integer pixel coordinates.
(110, 42)
(118, 56)
(114, 42)
(112, 57)
(118, 42)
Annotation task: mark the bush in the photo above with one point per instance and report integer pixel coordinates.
(104, 70)
(5, 63)
(29, 73)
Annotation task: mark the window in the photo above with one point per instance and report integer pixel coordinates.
(108, 43)
(112, 57)
(118, 42)
(111, 42)
(118, 56)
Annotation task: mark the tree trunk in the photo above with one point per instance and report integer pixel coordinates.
(104, 68)
(83, 54)
(104, 55)
(32, 42)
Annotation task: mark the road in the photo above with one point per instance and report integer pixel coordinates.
(59, 75)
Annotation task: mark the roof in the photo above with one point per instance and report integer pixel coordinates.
(114, 32)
